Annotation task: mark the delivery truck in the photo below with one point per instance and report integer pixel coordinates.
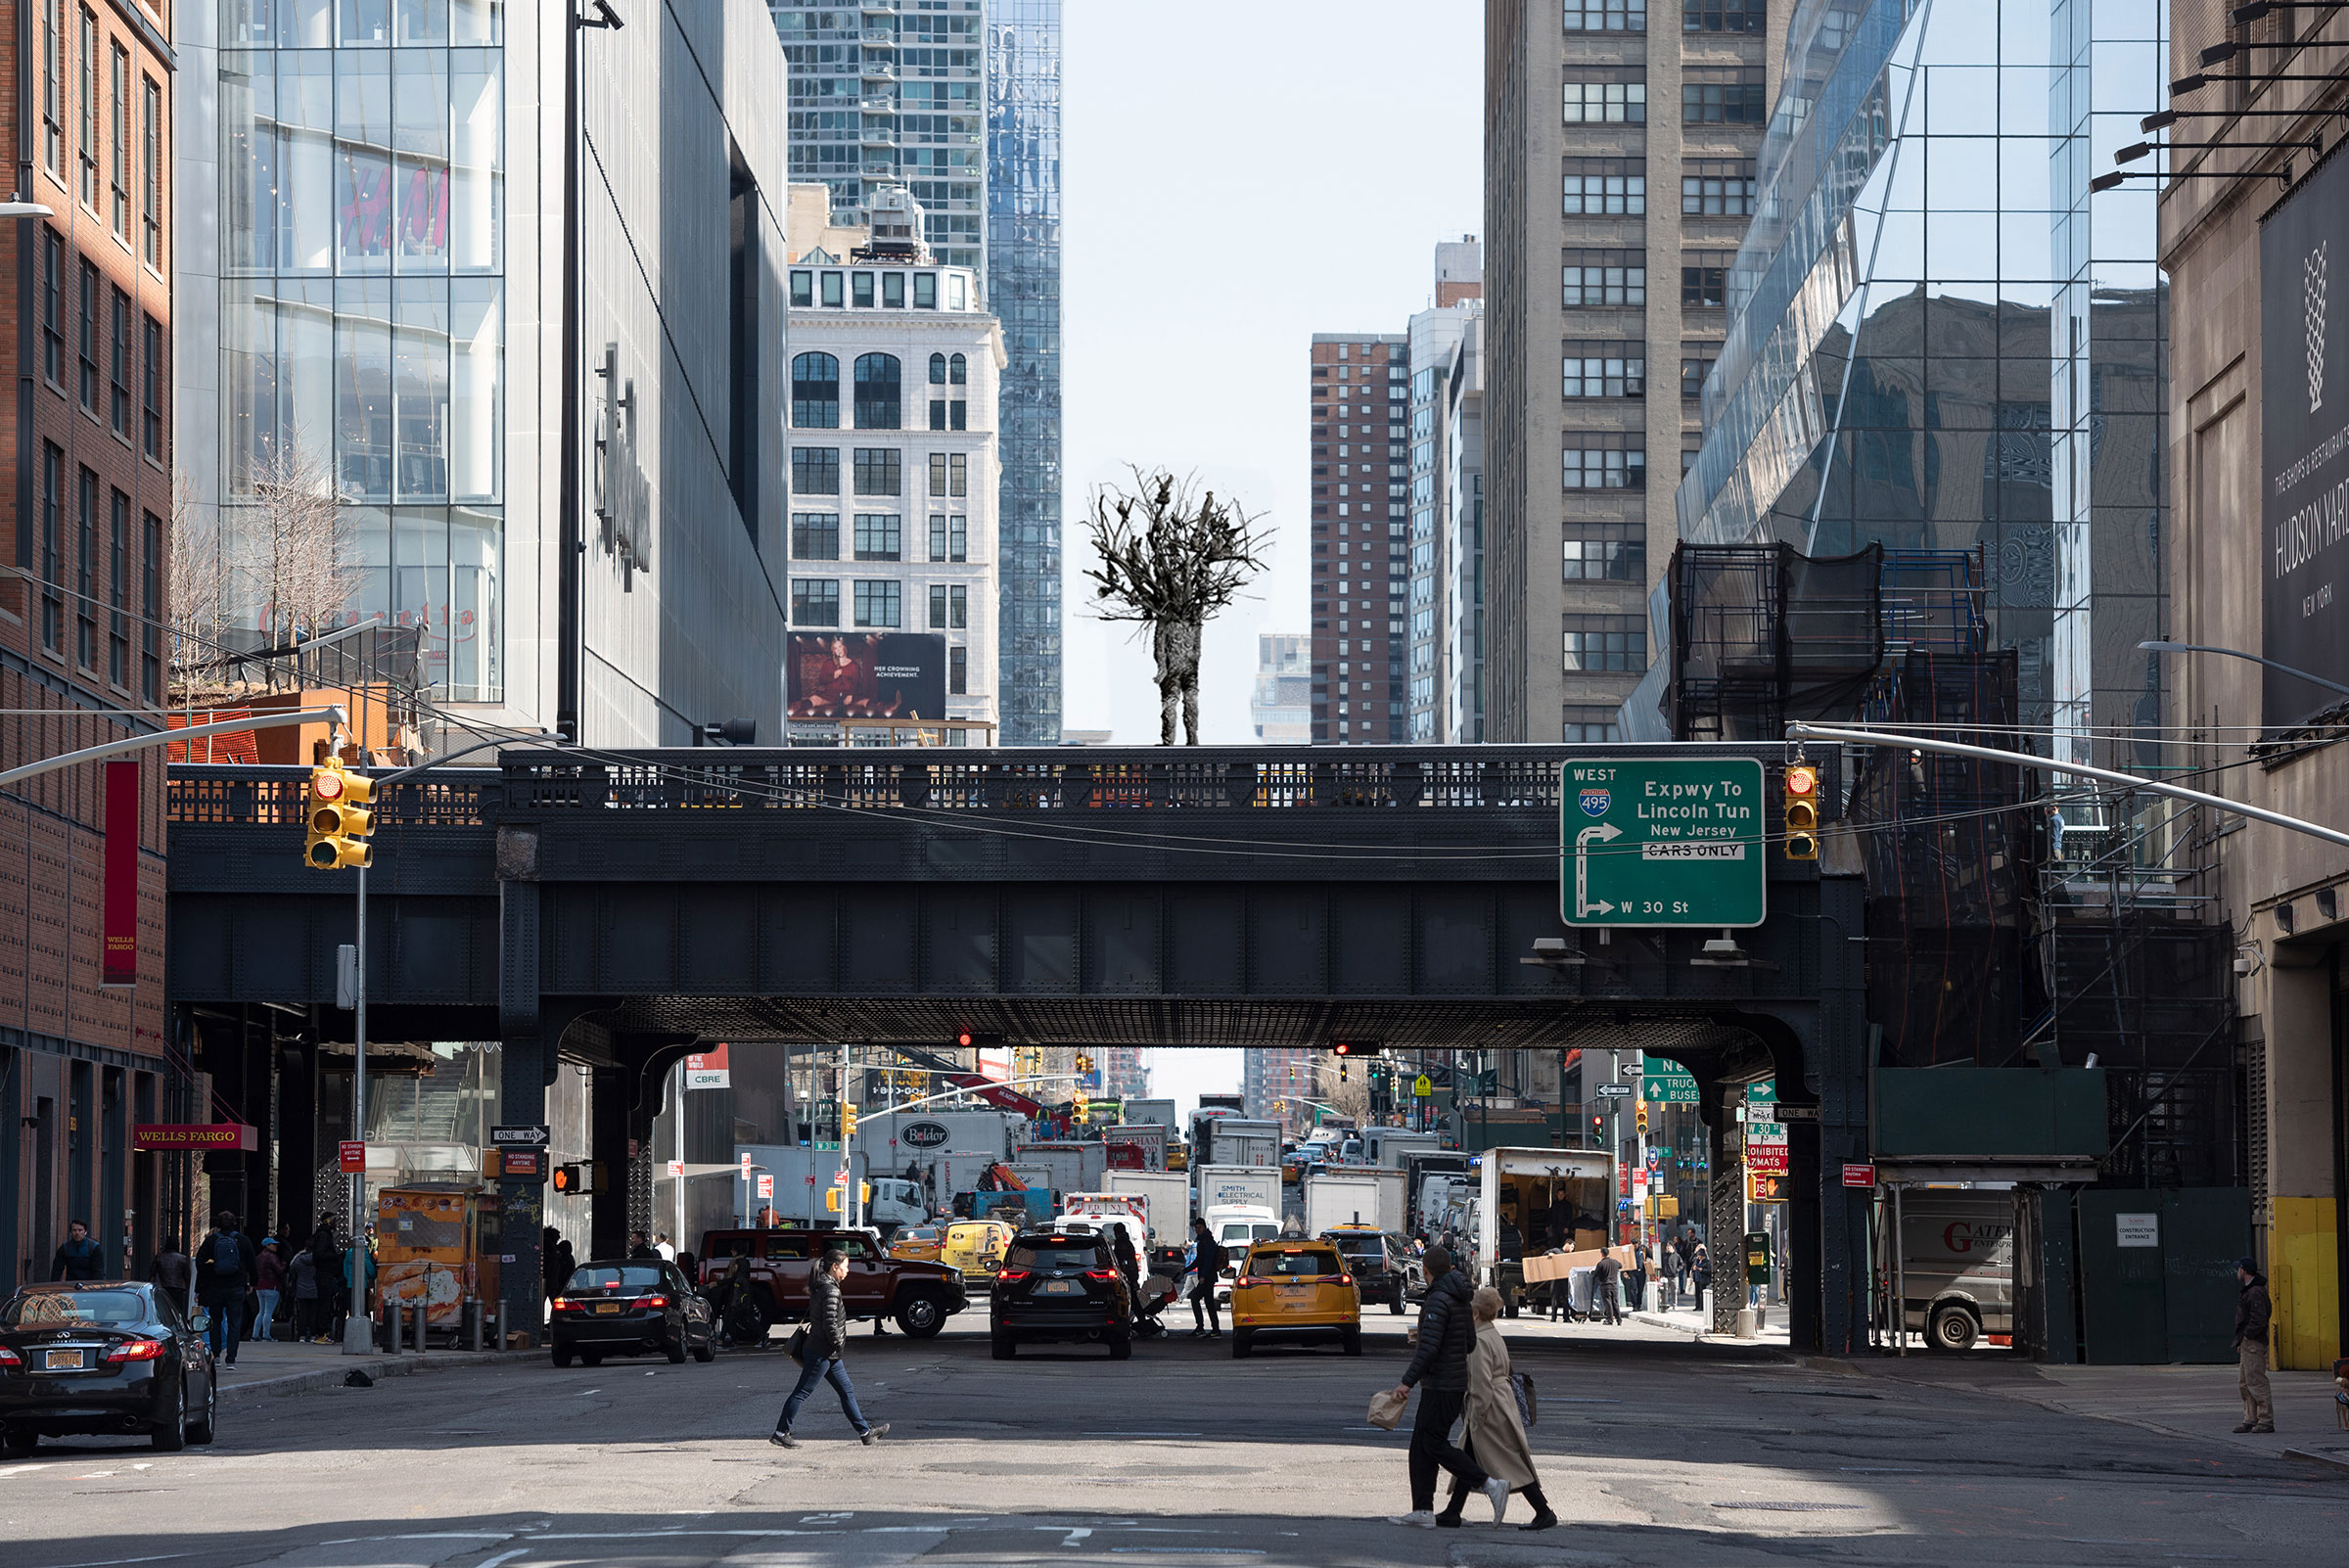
(1075, 1166)
(1223, 1187)
(943, 1149)
(803, 1184)
(1417, 1170)
(1234, 1141)
(1517, 1192)
(1955, 1266)
(1390, 1147)
(1167, 1208)
(1148, 1136)
(1354, 1195)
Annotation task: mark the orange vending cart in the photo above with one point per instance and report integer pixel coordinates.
(436, 1245)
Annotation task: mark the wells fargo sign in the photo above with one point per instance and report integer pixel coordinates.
(195, 1135)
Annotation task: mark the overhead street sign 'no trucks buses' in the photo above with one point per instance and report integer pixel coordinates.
(1657, 841)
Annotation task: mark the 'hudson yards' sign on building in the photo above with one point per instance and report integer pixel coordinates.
(2304, 441)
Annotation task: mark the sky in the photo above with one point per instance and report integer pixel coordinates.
(1235, 178)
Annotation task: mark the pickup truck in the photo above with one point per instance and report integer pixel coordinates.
(920, 1296)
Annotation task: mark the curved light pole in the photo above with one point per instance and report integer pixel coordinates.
(2157, 645)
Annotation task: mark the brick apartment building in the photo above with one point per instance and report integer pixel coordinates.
(87, 466)
(1361, 401)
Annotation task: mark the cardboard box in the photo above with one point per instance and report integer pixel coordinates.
(1545, 1267)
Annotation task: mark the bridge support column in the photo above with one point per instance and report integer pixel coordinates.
(1843, 1131)
(524, 1063)
(1725, 1220)
(611, 1102)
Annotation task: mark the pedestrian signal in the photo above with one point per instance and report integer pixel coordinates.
(338, 818)
(1800, 789)
(1765, 1187)
(570, 1180)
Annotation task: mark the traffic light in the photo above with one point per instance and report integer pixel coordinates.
(1800, 787)
(1640, 1112)
(339, 820)
(1599, 1129)
(847, 1120)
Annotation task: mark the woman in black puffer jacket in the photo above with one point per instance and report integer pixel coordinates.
(827, 1338)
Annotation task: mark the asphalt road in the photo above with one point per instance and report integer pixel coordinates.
(1653, 1452)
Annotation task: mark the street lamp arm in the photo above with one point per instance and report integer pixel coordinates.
(166, 737)
(1799, 731)
(2158, 645)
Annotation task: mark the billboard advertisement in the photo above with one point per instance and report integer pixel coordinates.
(867, 675)
(2304, 445)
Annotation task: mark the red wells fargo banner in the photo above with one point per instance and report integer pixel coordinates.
(120, 899)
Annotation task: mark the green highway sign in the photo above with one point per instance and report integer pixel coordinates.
(1663, 1084)
(1662, 842)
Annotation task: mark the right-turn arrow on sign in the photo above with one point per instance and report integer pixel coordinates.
(1663, 841)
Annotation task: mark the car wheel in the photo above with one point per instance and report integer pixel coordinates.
(1954, 1329)
(171, 1426)
(1509, 1306)
(206, 1426)
(1005, 1347)
(922, 1316)
(592, 1358)
(676, 1349)
(562, 1356)
(17, 1444)
(707, 1351)
(1352, 1340)
(1395, 1301)
(1120, 1347)
(1242, 1341)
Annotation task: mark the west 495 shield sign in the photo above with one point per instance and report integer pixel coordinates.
(2304, 443)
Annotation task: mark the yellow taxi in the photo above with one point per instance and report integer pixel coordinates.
(916, 1244)
(975, 1247)
(1295, 1289)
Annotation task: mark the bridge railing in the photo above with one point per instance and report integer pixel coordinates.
(1098, 779)
(1095, 779)
(267, 797)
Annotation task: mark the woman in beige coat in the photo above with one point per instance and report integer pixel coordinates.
(1496, 1439)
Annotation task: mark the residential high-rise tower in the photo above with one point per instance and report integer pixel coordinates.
(1361, 561)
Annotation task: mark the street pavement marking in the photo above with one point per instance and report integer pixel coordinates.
(503, 1557)
(117, 1562)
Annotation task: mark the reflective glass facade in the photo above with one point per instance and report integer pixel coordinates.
(1937, 343)
(1023, 271)
(893, 94)
(362, 308)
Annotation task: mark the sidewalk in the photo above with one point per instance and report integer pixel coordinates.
(1698, 1326)
(2190, 1401)
(277, 1367)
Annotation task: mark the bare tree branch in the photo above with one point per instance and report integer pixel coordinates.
(294, 549)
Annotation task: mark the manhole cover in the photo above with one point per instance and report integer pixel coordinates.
(1790, 1508)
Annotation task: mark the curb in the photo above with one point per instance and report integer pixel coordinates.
(2333, 1459)
(377, 1367)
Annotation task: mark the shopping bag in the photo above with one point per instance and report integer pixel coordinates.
(1386, 1409)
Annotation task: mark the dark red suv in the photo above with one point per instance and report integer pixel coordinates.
(920, 1296)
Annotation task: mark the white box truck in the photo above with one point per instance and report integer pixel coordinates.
(1353, 1196)
(1075, 1166)
(1147, 1137)
(1517, 1189)
(1234, 1141)
(1390, 1148)
(1160, 1112)
(946, 1150)
(1166, 1199)
(805, 1176)
(1226, 1186)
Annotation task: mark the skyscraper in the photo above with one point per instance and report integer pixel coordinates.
(1361, 561)
(960, 101)
(1281, 707)
(1618, 180)
(1023, 266)
(1435, 560)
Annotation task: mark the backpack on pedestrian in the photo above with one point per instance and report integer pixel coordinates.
(228, 1256)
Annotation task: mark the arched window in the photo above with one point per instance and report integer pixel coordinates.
(938, 370)
(878, 391)
(816, 392)
(962, 371)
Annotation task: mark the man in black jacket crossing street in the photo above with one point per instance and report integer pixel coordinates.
(1440, 1367)
(820, 1357)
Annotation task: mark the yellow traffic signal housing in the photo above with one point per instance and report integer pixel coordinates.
(338, 818)
(847, 1120)
(1800, 789)
(1642, 1116)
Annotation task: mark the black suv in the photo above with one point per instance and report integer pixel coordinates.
(1061, 1285)
(1381, 1263)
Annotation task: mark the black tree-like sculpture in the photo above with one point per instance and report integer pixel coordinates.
(1170, 558)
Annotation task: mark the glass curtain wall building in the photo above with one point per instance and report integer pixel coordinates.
(1022, 266)
(364, 302)
(1937, 343)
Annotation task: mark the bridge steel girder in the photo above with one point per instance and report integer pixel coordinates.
(613, 911)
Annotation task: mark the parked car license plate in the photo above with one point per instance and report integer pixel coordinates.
(64, 1361)
(607, 1305)
(1059, 1287)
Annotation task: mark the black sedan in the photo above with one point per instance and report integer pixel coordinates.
(1060, 1285)
(628, 1308)
(102, 1357)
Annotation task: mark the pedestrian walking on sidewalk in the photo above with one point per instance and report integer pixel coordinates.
(225, 1269)
(272, 1282)
(1700, 1272)
(2252, 1312)
(1447, 1336)
(1606, 1292)
(1207, 1265)
(1495, 1438)
(78, 1256)
(173, 1275)
(303, 1273)
(820, 1357)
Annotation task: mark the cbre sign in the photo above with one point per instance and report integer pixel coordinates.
(1662, 842)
